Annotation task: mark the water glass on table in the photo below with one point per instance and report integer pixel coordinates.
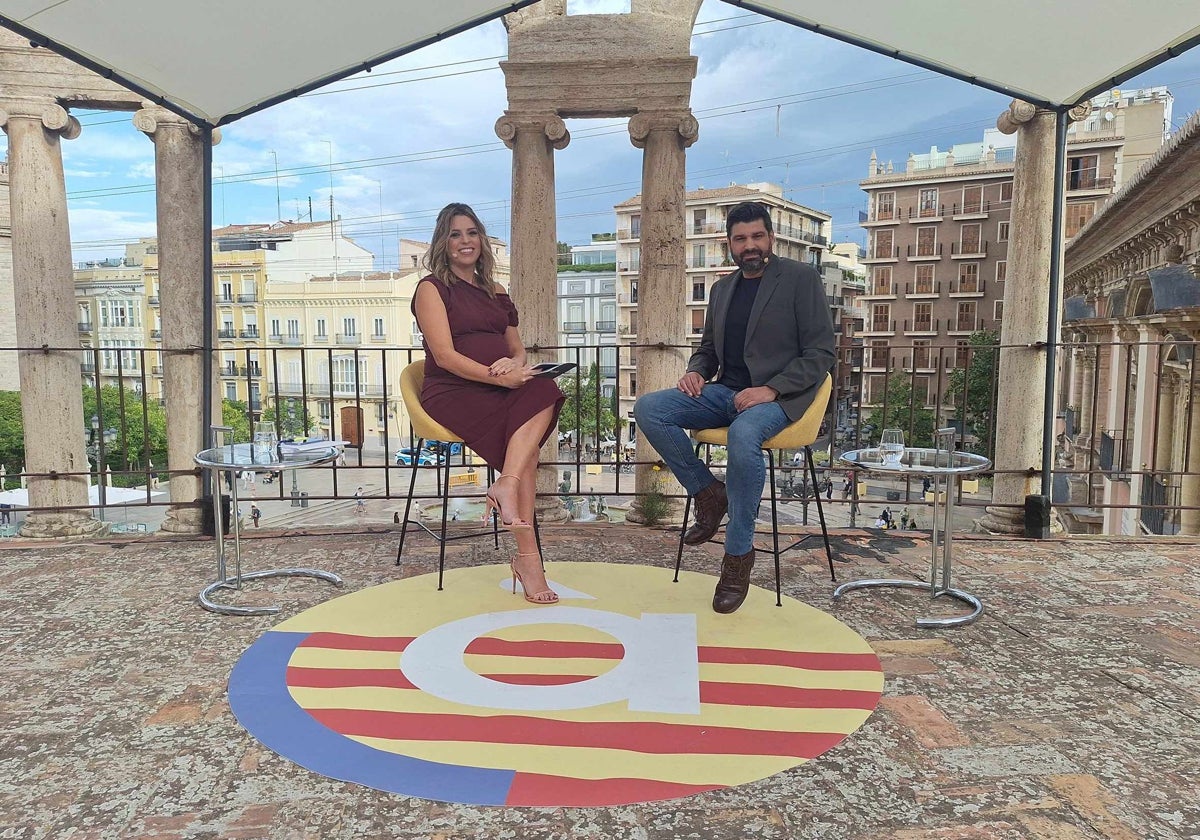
(265, 441)
(891, 447)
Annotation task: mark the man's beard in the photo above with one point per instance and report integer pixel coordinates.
(752, 260)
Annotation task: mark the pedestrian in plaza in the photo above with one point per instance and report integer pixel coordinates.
(904, 518)
(360, 505)
(479, 383)
(766, 348)
(5, 514)
(255, 514)
(828, 486)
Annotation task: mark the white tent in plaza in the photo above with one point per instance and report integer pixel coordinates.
(219, 60)
(19, 497)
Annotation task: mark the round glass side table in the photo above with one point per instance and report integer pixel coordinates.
(943, 467)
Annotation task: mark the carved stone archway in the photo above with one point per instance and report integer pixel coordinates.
(635, 65)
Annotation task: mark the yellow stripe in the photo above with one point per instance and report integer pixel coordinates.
(738, 717)
(590, 763)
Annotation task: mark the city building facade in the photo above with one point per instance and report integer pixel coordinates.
(938, 233)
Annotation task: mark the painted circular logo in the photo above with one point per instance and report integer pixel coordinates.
(629, 690)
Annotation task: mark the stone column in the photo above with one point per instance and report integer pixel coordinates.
(1026, 316)
(533, 139)
(1189, 494)
(1164, 440)
(662, 278)
(179, 172)
(1087, 390)
(44, 305)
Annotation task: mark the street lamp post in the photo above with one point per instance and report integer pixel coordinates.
(295, 487)
(93, 451)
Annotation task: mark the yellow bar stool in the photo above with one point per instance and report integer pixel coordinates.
(799, 435)
(426, 428)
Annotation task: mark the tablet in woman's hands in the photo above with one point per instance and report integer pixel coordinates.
(551, 370)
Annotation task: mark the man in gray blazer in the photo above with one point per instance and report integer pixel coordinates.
(767, 346)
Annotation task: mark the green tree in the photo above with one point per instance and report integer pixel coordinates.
(236, 415)
(903, 411)
(972, 389)
(288, 417)
(586, 410)
(12, 431)
(134, 435)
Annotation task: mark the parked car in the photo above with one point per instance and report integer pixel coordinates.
(444, 448)
(426, 458)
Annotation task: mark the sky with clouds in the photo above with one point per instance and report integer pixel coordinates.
(775, 103)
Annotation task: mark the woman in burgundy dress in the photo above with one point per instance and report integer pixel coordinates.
(478, 383)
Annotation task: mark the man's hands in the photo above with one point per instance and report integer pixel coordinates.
(749, 397)
(691, 383)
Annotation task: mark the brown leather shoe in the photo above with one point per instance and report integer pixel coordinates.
(734, 582)
(711, 505)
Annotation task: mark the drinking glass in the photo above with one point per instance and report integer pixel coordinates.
(265, 441)
(891, 446)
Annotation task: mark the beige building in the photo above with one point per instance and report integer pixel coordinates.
(113, 322)
(938, 234)
(334, 345)
(800, 233)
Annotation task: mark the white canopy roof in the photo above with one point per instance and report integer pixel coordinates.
(220, 59)
(1049, 53)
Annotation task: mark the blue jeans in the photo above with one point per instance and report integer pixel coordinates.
(662, 416)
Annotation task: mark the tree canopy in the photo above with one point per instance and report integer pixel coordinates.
(586, 409)
(973, 389)
(899, 409)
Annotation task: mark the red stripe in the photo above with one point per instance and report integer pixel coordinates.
(644, 737)
(786, 697)
(539, 679)
(486, 646)
(717, 693)
(346, 641)
(346, 678)
(536, 789)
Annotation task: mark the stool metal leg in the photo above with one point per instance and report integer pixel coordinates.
(774, 528)
(445, 490)
(812, 470)
(687, 509)
(412, 483)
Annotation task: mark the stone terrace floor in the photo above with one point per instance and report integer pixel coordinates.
(1069, 711)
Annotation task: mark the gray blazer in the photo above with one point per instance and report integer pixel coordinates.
(789, 337)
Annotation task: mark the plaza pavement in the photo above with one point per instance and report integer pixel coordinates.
(1069, 711)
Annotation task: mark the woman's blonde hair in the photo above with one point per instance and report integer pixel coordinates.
(437, 258)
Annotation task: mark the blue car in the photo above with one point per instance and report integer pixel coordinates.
(443, 448)
(404, 457)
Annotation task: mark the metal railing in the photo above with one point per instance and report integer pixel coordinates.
(1141, 463)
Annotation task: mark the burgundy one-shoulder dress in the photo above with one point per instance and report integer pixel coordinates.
(484, 416)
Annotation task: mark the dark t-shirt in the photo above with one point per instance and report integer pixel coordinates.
(734, 373)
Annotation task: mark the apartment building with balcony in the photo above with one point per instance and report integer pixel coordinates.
(111, 302)
(938, 233)
(325, 343)
(587, 308)
(845, 279)
(801, 233)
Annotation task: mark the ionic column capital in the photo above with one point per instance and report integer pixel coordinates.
(51, 115)
(152, 117)
(1020, 112)
(643, 123)
(551, 125)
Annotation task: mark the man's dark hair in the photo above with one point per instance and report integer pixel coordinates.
(748, 211)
